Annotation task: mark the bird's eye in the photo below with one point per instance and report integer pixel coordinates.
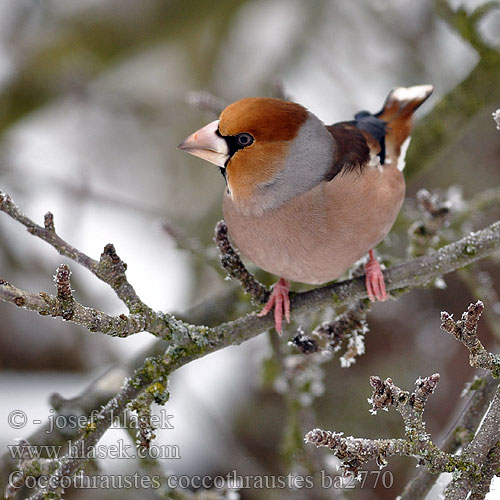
(244, 140)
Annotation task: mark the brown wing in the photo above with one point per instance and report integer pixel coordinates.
(354, 147)
(351, 148)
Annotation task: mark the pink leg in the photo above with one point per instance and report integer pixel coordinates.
(375, 285)
(281, 302)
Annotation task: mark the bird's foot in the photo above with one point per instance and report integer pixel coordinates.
(375, 285)
(280, 300)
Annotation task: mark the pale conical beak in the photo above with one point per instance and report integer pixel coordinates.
(206, 144)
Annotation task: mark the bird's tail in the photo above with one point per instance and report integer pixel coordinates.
(398, 109)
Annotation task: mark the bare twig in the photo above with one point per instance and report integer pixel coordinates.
(64, 293)
(460, 435)
(354, 452)
(465, 330)
(484, 444)
(480, 450)
(48, 221)
(68, 465)
(88, 317)
(100, 391)
(62, 283)
(185, 342)
(424, 234)
(151, 377)
(233, 264)
(351, 325)
(29, 465)
(109, 268)
(414, 273)
(474, 468)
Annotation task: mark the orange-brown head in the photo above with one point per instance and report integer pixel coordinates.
(270, 150)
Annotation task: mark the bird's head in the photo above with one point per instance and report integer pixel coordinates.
(269, 149)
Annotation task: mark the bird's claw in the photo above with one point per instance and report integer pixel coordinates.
(280, 300)
(375, 284)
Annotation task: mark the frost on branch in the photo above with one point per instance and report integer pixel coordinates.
(349, 326)
(354, 452)
(465, 330)
(478, 460)
(434, 214)
(64, 292)
(496, 117)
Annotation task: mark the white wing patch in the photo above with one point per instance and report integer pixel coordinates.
(402, 154)
(375, 162)
(417, 92)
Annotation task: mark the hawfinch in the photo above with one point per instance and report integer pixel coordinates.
(306, 201)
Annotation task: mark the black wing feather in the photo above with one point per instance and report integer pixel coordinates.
(364, 120)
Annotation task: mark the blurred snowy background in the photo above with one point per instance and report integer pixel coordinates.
(92, 106)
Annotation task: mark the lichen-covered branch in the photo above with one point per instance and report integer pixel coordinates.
(489, 470)
(424, 234)
(233, 264)
(354, 452)
(96, 396)
(479, 448)
(474, 468)
(29, 467)
(90, 318)
(89, 402)
(461, 434)
(483, 449)
(483, 453)
(110, 268)
(152, 378)
(185, 342)
(465, 331)
(329, 336)
(350, 325)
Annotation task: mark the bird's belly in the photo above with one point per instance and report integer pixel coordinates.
(316, 237)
